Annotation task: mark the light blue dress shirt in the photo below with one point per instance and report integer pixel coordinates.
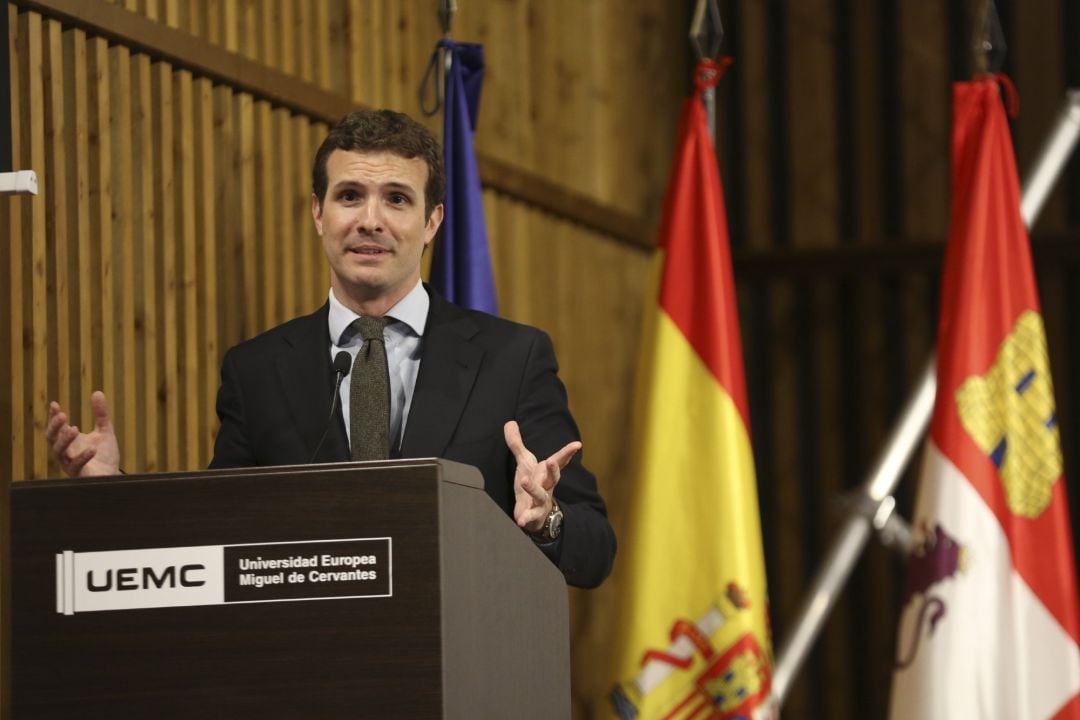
(402, 352)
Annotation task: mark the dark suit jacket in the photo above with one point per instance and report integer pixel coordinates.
(476, 372)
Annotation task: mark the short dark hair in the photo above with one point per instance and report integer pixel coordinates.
(383, 130)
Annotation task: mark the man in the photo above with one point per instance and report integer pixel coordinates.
(463, 385)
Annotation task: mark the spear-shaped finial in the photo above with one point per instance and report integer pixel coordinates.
(706, 30)
(447, 8)
(990, 48)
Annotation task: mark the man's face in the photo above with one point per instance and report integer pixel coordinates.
(372, 225)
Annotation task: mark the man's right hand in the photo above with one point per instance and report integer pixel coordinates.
(84, 454)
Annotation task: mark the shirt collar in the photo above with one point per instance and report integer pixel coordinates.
(412, 310)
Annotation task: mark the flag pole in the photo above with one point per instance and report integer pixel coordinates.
(873, 510)
(706, 35)
(1053, 155)
(447, 9)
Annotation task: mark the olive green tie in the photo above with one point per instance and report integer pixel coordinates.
(369, 394)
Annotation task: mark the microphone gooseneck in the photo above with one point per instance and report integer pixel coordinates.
(342, 365)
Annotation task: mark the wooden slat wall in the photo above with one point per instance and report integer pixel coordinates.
(174, 221)
(174, 217)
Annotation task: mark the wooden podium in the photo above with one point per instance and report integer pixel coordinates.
(393, 589)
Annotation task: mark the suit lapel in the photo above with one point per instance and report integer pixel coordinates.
(304, 371)
(449, 362)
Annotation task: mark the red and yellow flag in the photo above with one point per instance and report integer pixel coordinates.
(990, 618)
(693, 632)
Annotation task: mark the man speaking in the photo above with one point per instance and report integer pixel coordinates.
(387, 368)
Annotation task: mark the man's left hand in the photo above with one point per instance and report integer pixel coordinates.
(535, 480)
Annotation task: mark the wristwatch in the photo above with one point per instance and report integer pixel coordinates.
(552, 525)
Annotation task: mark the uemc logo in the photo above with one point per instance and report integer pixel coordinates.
(146, 578)
(139, 578)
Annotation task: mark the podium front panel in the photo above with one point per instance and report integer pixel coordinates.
(273, 647)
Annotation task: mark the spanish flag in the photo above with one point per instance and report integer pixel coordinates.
(693, 633)
(990, 621)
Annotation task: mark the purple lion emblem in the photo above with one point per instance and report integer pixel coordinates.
(935, 559)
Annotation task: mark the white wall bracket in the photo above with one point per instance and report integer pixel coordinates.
(20, 182)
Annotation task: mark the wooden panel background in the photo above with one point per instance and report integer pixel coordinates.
(174, 221)
(834, 147)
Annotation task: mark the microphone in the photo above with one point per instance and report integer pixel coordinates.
(342, 365)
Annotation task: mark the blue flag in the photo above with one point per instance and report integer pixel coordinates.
(461, 265)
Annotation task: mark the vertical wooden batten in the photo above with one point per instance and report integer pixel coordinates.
(244, 241)
(58, 274)
(208, 347)
(33, 300)
(78, 164)
(185, 394)
(149, 330)
(127, 413)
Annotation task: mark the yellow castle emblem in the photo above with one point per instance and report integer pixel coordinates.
(1009, 413)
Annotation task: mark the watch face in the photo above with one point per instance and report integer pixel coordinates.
(556, 525)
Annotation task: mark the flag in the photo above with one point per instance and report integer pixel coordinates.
(461, 264)
(989, 622)
(692, 623)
